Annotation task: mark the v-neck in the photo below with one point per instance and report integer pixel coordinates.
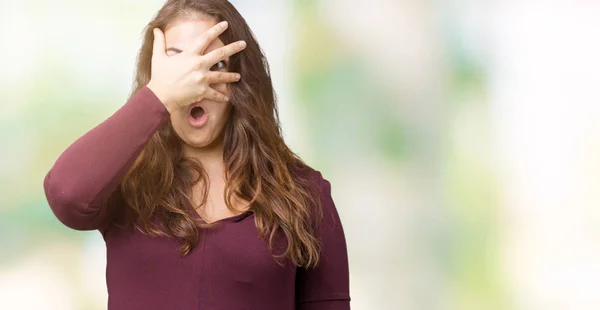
(233, 218)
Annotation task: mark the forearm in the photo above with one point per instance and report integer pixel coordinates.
(88, 172)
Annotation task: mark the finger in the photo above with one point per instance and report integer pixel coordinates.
(215, 77)
(212, 94)
(158, 48)
(223, 52)
(202, 42)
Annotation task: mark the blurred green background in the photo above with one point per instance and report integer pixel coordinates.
(461, 138)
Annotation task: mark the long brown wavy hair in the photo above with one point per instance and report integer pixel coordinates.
(260, 167)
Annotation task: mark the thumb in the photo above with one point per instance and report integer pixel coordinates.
(159, 43)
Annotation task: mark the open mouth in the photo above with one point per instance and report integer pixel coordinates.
(198, 116)
(197, 112)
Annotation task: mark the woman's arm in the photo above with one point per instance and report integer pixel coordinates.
(90, 170)
(83, 178)
(327, 286)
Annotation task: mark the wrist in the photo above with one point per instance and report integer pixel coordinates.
(164, 99)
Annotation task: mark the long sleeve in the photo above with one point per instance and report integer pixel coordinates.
(83, 178)
(326, 287)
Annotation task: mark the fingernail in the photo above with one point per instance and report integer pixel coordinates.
(242, 44)
(223, 24)
(238, 76)
(226, 98)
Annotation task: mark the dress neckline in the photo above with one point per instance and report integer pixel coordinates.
(233, 218)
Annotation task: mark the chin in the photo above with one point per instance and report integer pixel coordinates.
(197, 143)
(200, 140)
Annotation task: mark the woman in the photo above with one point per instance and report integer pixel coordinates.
(201, 203)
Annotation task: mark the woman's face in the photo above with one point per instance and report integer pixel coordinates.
(178, 35)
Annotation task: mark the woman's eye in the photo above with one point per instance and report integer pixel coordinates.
(219, 65)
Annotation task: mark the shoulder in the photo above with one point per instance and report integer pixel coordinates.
(315, 180)
(320, 188)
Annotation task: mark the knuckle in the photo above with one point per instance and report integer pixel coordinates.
(198, 61)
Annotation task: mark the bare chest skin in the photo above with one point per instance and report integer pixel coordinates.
(215, 208)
